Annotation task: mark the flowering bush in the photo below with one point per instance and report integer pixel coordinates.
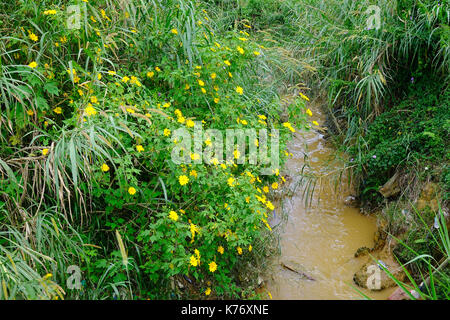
(92, 113)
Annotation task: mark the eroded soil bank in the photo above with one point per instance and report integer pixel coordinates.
(318, 240)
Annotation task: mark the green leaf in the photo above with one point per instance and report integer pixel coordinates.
(41, 103)
(52, 88)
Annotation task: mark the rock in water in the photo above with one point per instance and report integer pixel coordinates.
(375, 278)
(351, 201)
(362, 251)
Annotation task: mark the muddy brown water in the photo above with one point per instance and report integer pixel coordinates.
(320, 237)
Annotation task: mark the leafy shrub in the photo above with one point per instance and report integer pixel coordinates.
(414, 131)
(90, 117)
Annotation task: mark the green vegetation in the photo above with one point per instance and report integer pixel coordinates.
(388, 101)
(86, 177)
(88, 114)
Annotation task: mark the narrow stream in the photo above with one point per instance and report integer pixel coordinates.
(320, 238)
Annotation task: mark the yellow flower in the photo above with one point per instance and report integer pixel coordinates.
(244, 122)
(250, 248)
(90, 111)
(239, 90)
(150, 74)
(195, 156)
(57, 110)
(230, 181)
(183, 180)
(201, 83)
(190, 123)
(94, 99)
(243, 39)
(207, 291)
(30, 112)
(275, 185)
(125, 79)
(111, 72)
(131, 190)
(241, 51)
(220, 250)
(193, 261)
(33, 37)
(239, 250)
(166, 132)
(303, 96)
(105, 167)
(194, 229)
(212, 266)
(48, 275)
(227, 63)
(270, 205)
(157, 69)
(289, 126)
(193, 173)
(315, 123)
(139, 148)
(173, 215)
(166, 105)
(213, 75)
(256, 53)
(237, 154)
(174, 31)
(44, 151)
(49, 12)
(216, 100)
(203, 90)
(266, 189)
(309, 112)
(33, 65)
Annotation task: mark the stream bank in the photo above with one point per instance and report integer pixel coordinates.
(318, 240)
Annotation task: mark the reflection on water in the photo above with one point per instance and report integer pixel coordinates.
(320, 238)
